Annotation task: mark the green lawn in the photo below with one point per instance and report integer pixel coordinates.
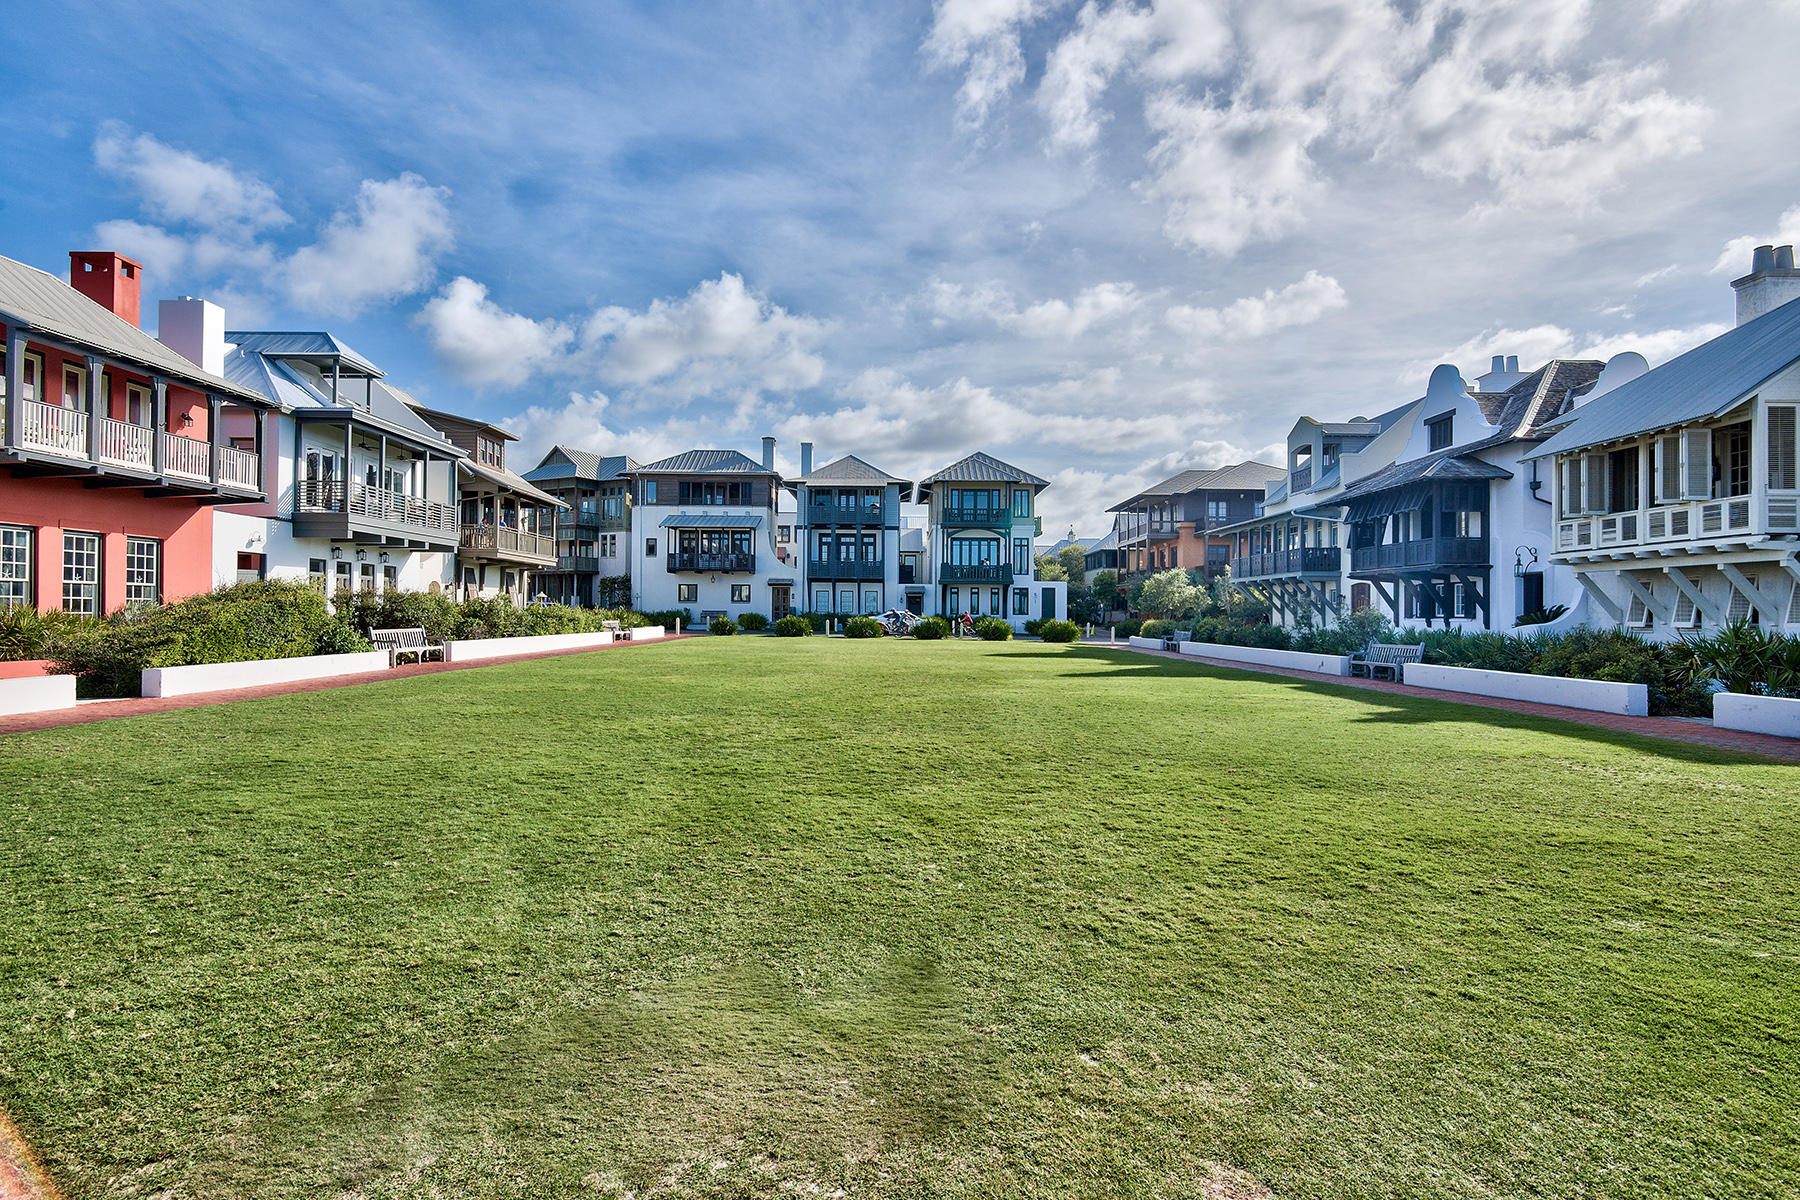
(752, 916)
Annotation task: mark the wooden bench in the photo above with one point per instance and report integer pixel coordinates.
(1384, 658)
(400, 642)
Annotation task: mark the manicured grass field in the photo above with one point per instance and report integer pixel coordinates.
(753, 917)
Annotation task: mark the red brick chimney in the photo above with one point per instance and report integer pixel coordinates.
(109, 280)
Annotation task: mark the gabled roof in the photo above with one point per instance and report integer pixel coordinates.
(435, 415)
(1708, 380)
(1524, 408)
(297, 344)
(704, 462)
(1109, 542)
(981, 467)
(501, 477)
(1456, 463)
(37, 301)
(849, 469)
(298, 388)
(1244, 476)
(566, 462)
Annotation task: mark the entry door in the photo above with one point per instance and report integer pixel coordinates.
(1048, 610)
(779, 603)
(846, 603)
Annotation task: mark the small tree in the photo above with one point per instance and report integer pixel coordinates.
(1169, 594)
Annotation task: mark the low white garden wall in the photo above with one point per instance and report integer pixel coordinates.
(645, 633)
(42, 693)
(1753, 714)
(1626, 699)
(214, 677)
(1293, 660)
(1144, 643)
(469, 650)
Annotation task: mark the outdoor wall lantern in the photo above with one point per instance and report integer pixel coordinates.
(384, 556)
(1524, 559)
(337, 552)
(362, 555)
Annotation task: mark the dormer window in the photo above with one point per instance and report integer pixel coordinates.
(1439, 432)
(490, 451)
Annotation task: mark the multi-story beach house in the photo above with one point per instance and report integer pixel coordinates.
(509, 526)
(847, 520)
(1676, 494)
(703, 535)
(114, 447)
(982, 524)
(362, 492)
(593, 531)
(1170, 524)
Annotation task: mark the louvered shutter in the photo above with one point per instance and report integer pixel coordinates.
(1572, 506)
(1783, 450)
(1696, 464)
(1740, 604)
(1637, 616)
(1793, 612)
(1668, 468)
(1594, 477)
(1684, 611)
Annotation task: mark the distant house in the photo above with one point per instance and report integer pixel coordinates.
(981, 526)
(1170, 524)
(593, 530)
(848, 519)
(1103, 555)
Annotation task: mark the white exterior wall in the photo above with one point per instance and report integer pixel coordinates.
(866, 595)
(654, 586)
(937, 538)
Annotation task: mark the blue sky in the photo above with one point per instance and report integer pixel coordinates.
(1105, 241)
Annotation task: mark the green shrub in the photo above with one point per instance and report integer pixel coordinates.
(793, 626)
(666, 618)
(931, 629)
(1127, 629)
(722, 627)
(1743, 658)
(339, 638)
(1032, 626)
(753, 622)
(1541, 616)
(1059, 631)
(863, 627)
(993, 629)
(436, 615)
(1157, 629)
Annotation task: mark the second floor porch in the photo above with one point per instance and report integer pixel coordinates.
(507, 543)
(346, 511)
(55, 439)
(1314, 562)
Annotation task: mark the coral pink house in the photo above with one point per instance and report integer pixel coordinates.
(112, 445)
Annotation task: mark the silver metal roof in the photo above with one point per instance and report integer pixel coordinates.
(1710, 379)
(712, 521)
(295, 344)
(704, 462)
(566, 462)
(37, 301)
(981, 467)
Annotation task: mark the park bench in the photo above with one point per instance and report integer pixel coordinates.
(400, 642)
(1384, 658)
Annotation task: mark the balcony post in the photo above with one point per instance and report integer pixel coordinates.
(262, 447)
(96, 369)
(15, 384)
(214, 408)
(159, 420)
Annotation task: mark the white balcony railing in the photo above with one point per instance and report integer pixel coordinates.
(52, 428)
(186, 456)
(125, 444)
(1689, 521)
(241, 468)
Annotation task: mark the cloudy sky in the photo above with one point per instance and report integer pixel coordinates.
(1105, 241)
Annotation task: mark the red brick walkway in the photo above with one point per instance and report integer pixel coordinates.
(105, 710)
(1699, 733)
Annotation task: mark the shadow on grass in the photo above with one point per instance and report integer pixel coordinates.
(1395, 709)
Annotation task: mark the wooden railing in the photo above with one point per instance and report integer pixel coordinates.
(125, 444)
(376, 504)
(240, 468)
(1688, 521)
(688, 560)
(1420, 554)
(186, 456)
(586, 563)
(53, 428)
(962, 514)
(502, 540)
(839, 568)
(64, 432)
(1305, 560)
(830, 512)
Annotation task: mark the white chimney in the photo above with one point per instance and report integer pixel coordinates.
(194, 329)
(1771, 283)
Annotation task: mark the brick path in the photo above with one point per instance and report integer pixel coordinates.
(105, 710)
(1699, 733)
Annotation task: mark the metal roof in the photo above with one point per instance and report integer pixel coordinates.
(1245, 476)
(501, 477)
(37, 301)
(704, 462)
(712, 521)
(981, 467)
(849, 469)
(1710, 379)
(298, 388)
(1452, 464)
(580, 464)
(293, 344)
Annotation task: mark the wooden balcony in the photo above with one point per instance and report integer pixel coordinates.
(507, 545)
(1422, 556)
(1321, 561)
(1702, 524)
(838, 568)
(581, 564)
(830, 512)
(345, 511)
(66, 440)
(976, 573)
(724, 564)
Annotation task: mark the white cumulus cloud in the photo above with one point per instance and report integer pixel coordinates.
(1299, 303)
(179, 186)
(482, 342)
(385, 247)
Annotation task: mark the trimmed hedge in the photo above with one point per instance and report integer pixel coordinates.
(863, 627)
(795, 625)
(1059, 631)
(753, 622)
(931, 629)
(722, 627)
(993, 629)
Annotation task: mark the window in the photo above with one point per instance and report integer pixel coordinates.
(740, 593)
(1217, 554)
(1439, 432)
(986, 499)
(687, 593)
(246, 444)
(1021, 601)
(1021, 502)
(1021, 564)
(140, 411)
(974, 552)
(15, 567)
(143, 570)
(74, 387)
(315, 572)
(81, 574)
(649, 547)
(955, 604)
(1217, 510)
(1531, 592)
(784, 534)
(994, 601)
(650, 496)
(1622, 480)
(366, 575)
(30, 371)
(712, 491)
(1736, 455)
(390, 578)
(343, 577)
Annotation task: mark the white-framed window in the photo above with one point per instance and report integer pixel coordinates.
(140, 408)
(74, 393)
(317, 573)
(366, 576)
(143, 570)
(15, 566)
(740, 593)
(390, 578)
(81, 573)
(30, 372)
(344, 578)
